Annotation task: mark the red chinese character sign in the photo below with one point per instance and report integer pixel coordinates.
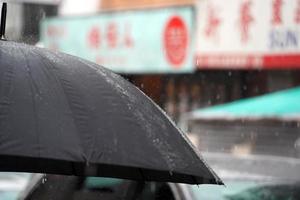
(245, 20)
(251, 34)
(94, 37)
(213, 23)
(276, 12)
(112, 35)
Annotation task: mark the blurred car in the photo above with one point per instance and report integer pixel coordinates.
(246, 178)
(252, 177)
(91, 188)
(11, 184)
(253, 144)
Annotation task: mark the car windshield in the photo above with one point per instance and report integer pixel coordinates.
(147, 94)
(239, 190)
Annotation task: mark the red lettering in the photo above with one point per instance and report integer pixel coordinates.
(112, 35)
(128, 40)
(276, 16)
(245, 20)
(297, 15)
(94, 38)
(213, 23)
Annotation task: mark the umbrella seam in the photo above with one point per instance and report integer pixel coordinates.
(31, 83)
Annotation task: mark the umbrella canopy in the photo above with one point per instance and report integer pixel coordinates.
(282, 105)
(64, 115)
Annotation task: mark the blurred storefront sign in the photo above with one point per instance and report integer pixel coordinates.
(248, 34)
(133, 42)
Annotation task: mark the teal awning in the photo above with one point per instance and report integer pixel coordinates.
(285, 103)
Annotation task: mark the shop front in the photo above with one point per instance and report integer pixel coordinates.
(259, 40)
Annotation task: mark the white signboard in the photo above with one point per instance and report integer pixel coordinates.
(133, 42)
(248, 34)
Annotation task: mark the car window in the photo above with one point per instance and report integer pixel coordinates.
(55, 186)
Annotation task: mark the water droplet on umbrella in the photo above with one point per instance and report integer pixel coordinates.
(44, 179)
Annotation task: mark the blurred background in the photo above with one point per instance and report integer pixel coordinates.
(184, 54)
(227, 72)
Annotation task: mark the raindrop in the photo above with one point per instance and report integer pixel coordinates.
(44, 179)
(142, 85)
(244, 87)
(229, 73)
(171, 173)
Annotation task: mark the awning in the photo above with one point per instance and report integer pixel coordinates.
(278, 105)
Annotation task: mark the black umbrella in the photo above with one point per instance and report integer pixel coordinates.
(64, 115)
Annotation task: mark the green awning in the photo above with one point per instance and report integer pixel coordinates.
(282, 104)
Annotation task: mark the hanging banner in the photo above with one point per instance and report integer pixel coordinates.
(248, 34)
(140, 41)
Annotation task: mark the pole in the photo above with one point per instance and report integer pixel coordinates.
(3, 21)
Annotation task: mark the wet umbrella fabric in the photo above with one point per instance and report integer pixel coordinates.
(64, 115)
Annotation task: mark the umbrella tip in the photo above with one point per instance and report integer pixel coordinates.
(3, 21)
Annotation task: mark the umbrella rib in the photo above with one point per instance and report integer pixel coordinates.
(77, 109)
(34, 106)
(5, 95)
